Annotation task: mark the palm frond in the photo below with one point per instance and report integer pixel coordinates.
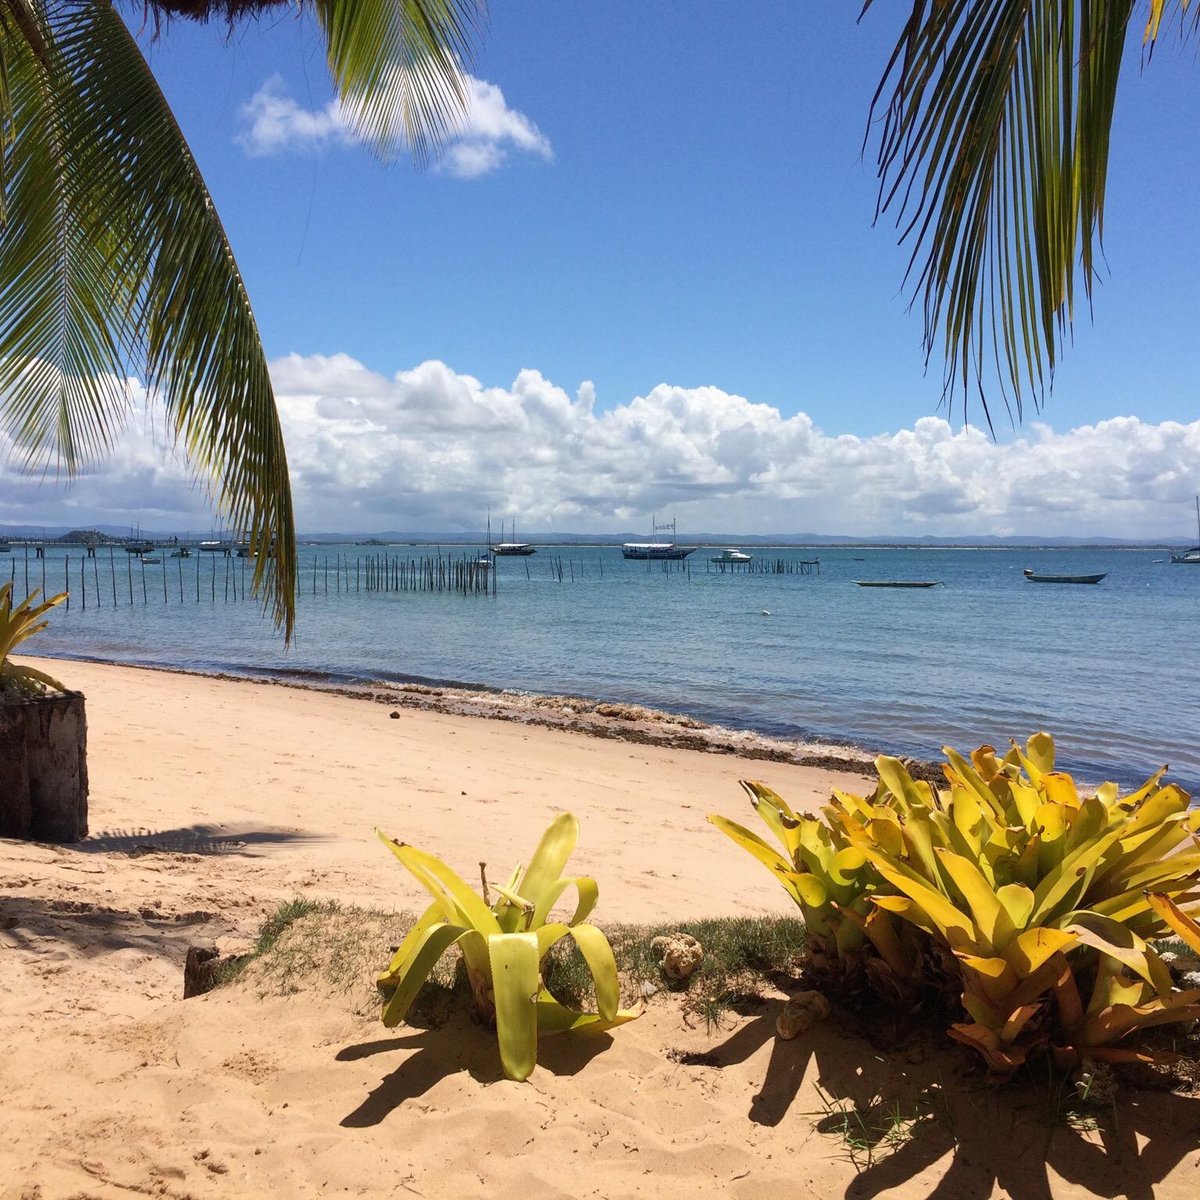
(398, 66)
(113, 262)
(995, 120)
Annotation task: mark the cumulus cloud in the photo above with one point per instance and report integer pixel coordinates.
(274, 123)
(433, 449)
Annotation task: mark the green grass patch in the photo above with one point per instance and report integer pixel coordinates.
(742, 956)
(322, 945)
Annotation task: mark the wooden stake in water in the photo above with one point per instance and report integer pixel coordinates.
(113, 566)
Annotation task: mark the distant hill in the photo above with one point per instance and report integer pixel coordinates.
(457, 537)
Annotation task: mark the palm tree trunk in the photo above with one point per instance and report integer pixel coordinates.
(43, 768)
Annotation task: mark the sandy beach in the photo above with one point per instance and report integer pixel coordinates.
(214, 800)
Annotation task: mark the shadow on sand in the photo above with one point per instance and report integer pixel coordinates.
(968, 1137)
(95, 929)
(192, 839)
(458, 1045)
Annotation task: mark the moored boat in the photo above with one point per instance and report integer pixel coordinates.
(1193, 555)
(732, 556)
(513, 549)
(1033, 577)
(657, 550)
(899, 583)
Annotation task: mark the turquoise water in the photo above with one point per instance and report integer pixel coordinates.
(1110, 669)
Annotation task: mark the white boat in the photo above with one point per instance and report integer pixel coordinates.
(513, 549)
(1192, 555)
(657, 550)
(732, 556)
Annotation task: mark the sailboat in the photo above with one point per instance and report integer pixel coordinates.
(1192, 555)
(657, 550)
(514, 548)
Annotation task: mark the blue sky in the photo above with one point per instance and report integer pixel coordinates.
(680, 215)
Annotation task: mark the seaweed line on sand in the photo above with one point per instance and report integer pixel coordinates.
(576, 714)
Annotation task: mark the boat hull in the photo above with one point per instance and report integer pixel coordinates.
(1064, 578)
(657, 553)
(898, 583)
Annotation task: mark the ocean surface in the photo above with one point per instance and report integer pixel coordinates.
(1110, 670)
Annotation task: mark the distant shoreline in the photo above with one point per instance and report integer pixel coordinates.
(20, 536)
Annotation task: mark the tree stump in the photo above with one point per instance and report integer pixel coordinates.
(200, 970)
(43, 767)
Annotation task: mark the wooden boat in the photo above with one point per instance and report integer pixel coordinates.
(658, 551)
(513, 549)
(903, 583)
(1033, 578)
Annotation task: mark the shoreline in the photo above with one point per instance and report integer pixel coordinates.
(285, 786)
(584, 715)
(215, 801)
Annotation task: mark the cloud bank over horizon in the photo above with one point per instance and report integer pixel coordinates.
(484, 141)
(432, 449)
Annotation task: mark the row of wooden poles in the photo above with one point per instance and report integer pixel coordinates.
(769, 566)
(229, 579)
(391, 573)
(85, 583)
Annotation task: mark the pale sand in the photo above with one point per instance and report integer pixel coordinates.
(213, 800)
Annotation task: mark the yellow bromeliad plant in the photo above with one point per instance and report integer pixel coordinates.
(833, 882)
(1037, 896)
(1038, 892)
(16, 626)
(503, 944)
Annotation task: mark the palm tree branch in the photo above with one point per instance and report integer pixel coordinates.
(398, 66)
(992, 158)
(178, 302)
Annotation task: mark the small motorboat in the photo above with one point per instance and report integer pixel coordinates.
(732, 556)
(1035, 578)
(904, 583)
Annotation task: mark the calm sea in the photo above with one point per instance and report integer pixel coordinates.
(1111, 670)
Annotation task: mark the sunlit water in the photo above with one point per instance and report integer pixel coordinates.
(1110, 669)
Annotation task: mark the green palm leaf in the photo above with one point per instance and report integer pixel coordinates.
(398, 66)
(114, 264)
(993, 157)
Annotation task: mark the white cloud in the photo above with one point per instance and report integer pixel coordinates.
(432, 449)
(275, 123)
(489, 132)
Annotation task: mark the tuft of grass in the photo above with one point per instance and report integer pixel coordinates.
(307, 944)
(878, 1128)
(742, 956)
(282, 919)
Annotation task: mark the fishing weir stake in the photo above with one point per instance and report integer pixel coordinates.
(767, 566)
(90, 582)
